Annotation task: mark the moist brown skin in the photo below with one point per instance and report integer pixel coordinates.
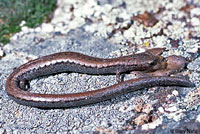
(149, 61)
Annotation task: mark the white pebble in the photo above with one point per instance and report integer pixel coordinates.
(171, 109)
(25, 29)
(195, 11)
(198, 118)
(153, 124)
(14, 37)
(22, 23)
(1, 52)
(161, 109)
(195, 21)
(37, 29)
(129, 33)
(47, 27)
(175, 93)
(193, 50)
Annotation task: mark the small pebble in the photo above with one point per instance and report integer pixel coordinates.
(198, 118)
(37, 29)
(47, 27)
(138, 108)
(161, 109)
(195, 21)
(171, 109)
(147, 108)
(2, 131)
(175, 93)
(195, 12)
(152, 125)
(22, 23)
(25, 29)
(141, 119)
(2, 53)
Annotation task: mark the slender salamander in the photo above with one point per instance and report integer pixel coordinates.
(149, 61)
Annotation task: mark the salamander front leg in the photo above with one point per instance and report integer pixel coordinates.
(118, 77)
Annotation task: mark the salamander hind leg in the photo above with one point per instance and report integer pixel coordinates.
(24, 84)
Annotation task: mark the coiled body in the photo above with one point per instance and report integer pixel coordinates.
(76, 62)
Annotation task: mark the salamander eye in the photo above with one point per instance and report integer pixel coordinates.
(153, 63)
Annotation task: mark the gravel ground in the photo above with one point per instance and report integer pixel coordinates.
(108, 28)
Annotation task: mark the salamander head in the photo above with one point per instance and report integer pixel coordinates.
(141, 61)
(146, 61)
(152, 59)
